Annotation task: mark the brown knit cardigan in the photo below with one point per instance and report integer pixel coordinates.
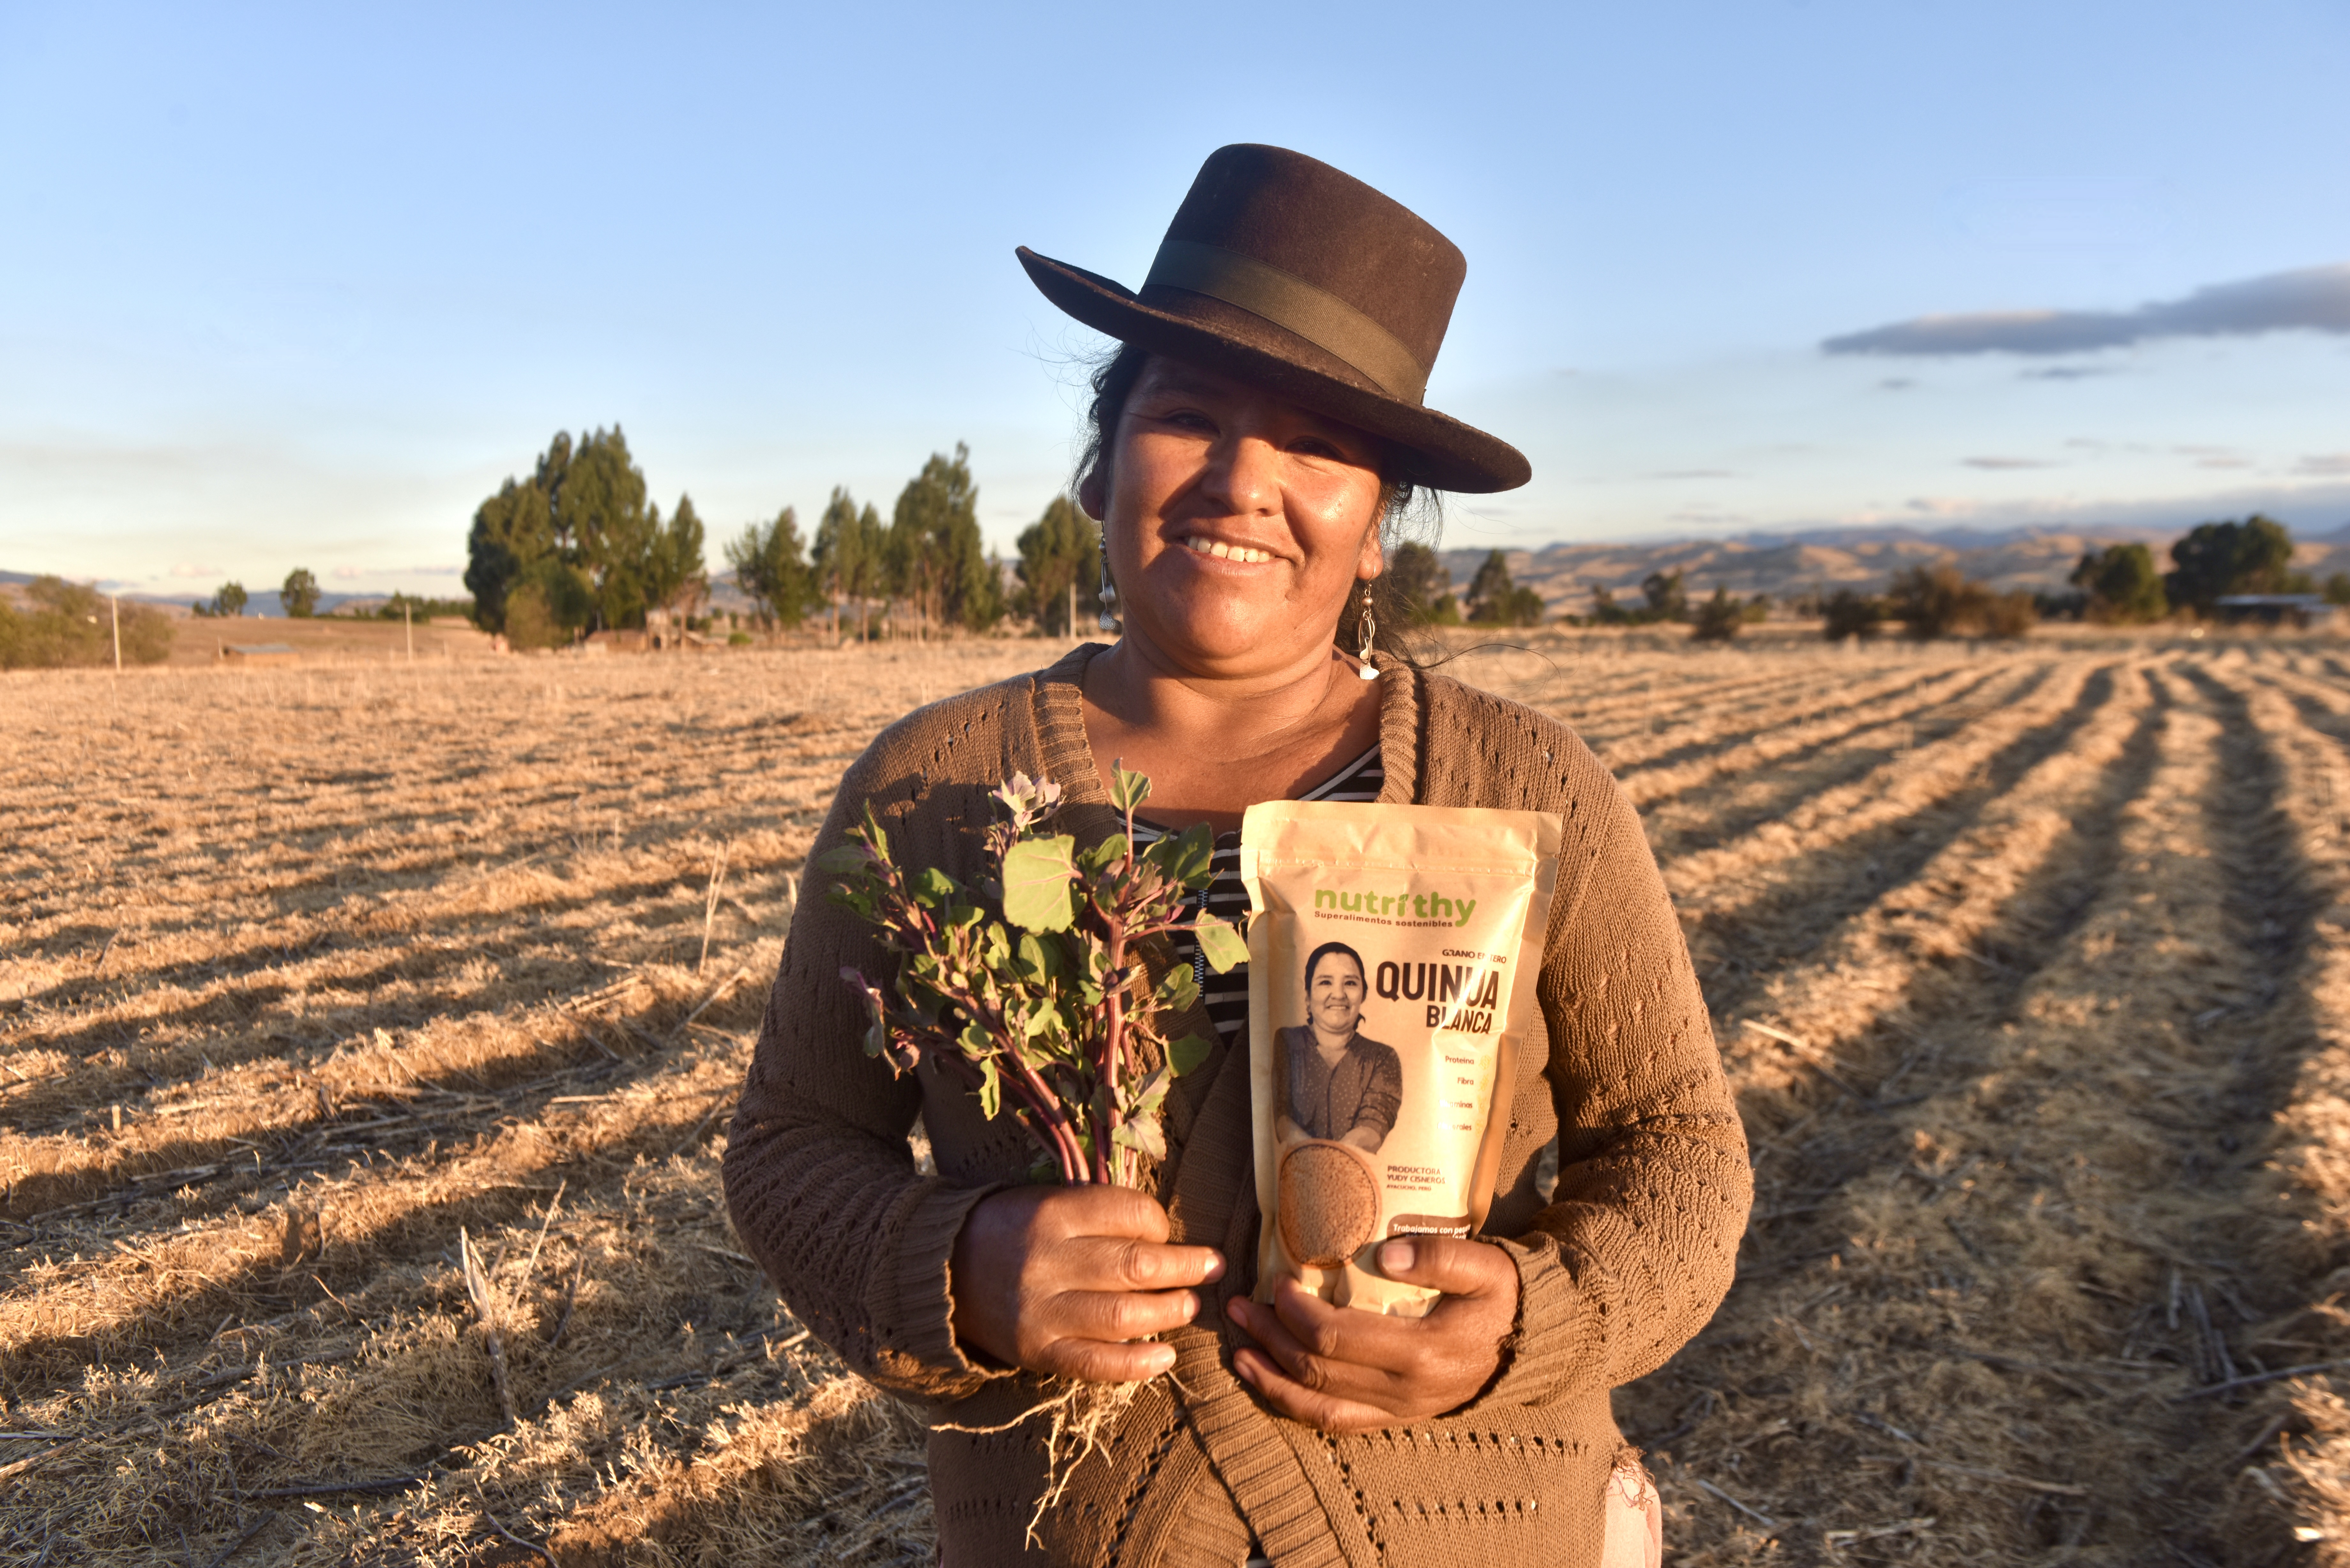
(1627, 1260)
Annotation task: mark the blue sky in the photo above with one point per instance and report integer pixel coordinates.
(298, 285)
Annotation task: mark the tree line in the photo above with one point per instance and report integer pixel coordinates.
(2118, 583)
(927, 557)
(579, 548)
(299, 597)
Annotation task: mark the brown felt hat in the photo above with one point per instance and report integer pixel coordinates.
(1282, 271)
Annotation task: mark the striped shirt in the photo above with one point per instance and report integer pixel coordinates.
(1226, 995)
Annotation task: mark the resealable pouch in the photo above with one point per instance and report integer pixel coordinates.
(1393, 954)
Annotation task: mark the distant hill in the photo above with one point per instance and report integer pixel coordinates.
(1780, 564)
(1784, 566)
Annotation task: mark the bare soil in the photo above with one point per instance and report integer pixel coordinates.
(2031, 966)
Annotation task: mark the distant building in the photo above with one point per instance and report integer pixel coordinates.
(2277, 610)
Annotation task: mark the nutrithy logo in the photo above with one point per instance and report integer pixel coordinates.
(1410, 906)
(1459, 997)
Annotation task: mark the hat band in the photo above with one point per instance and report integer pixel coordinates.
(1286, 300)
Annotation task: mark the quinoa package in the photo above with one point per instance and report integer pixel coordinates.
(1393, 951)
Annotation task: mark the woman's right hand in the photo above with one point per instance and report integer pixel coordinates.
(1066, 1280)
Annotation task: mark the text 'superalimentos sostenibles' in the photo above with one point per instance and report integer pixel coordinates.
(1393, 952)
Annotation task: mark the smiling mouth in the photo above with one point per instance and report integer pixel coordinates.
(1223, 552)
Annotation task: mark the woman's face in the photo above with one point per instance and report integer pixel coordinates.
(1334, 994)
(1237, 522)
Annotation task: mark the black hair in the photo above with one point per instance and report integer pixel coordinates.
(1408, 511)
(1326, 950)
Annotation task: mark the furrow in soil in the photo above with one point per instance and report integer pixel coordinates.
(1876, 1359)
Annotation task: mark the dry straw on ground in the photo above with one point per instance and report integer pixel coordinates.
(318, 985)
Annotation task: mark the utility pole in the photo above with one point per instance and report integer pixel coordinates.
(408, 626)
(114, 610)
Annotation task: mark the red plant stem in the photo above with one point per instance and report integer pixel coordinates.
(1039, 1094)
(1113, 1066)
(1037, 1104)
(1042, 1102)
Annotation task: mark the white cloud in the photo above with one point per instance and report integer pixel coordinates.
(2312, 299)
(187, 569)
(2005, 463)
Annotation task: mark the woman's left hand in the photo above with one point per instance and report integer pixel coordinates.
(1343, 1370)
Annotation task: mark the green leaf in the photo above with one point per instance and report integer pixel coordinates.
(991, 1089)
(843, 860)
(1152, 1094)
(1103, 856)
(1034, 965)
(1221, 945)
(933, 885)
(1036, 876)
(873, 834)
(1187, 1054)
(1128, 789)
(1143, 1133)
(1178, 990)
(1187, 857)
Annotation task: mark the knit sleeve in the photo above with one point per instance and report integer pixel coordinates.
(1638, 1243)
(819, 1177)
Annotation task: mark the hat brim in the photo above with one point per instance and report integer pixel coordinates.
(1443, 452)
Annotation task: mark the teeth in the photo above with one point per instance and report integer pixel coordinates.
(1224, 552)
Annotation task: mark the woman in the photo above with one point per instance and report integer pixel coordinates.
(1260, 424)
(1341, 1086)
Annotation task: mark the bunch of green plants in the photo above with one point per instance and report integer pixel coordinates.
(1032, 989)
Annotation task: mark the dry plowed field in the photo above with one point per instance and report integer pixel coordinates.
(366, 1035)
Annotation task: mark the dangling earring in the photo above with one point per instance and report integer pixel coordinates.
(1370, 628)
(1108, 595)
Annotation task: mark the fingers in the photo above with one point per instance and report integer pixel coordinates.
(1097, 1362)
(1075, 1280)
(1100, 1209)
(1337, 1351)
(1456, 1268)
(1325, 1412)
(1344, 1370)
(1101, 1238)
(1114, 1315)
(1119, 1263)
